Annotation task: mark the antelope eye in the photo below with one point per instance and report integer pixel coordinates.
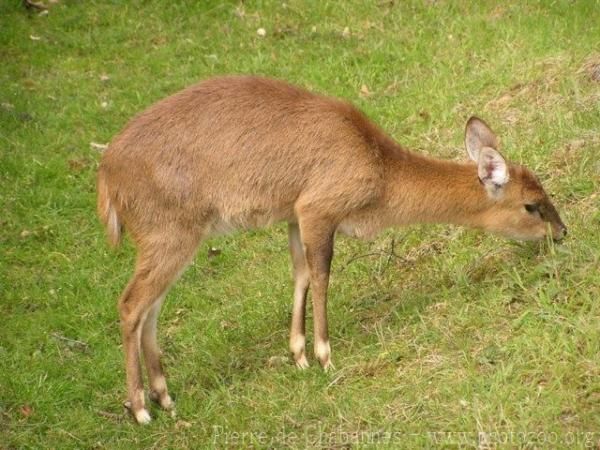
(531, 207)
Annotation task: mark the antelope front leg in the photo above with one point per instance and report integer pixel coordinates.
(301, 284)
(317, 239)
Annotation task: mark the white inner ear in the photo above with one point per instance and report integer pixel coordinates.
(472, 143)
(477, 136)
(492, 168)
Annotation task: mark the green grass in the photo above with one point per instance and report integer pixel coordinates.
(461, 339)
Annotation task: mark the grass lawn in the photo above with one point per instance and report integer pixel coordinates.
(441, 336)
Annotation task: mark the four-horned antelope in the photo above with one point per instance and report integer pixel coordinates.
(243, 152)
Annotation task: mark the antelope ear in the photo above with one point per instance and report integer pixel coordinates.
(477, 136)
(492, 170)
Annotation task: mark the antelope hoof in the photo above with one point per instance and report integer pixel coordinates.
(328, 366)
(302, 362)
(297, 347)
(163, 400)
(167, 404)
(141, 416)
(323, 354)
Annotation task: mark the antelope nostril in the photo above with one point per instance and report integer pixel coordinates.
(562, 232)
